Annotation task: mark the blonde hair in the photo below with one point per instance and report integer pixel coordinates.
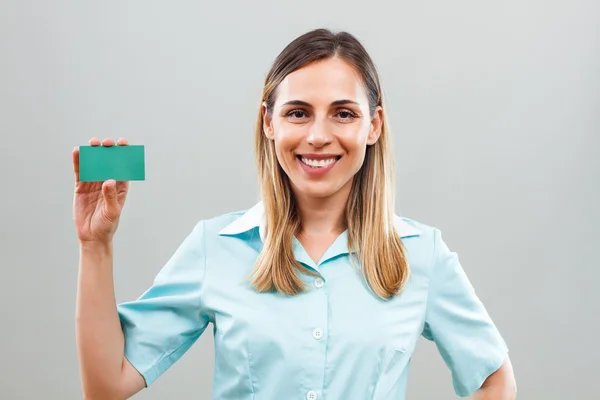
(372, 238)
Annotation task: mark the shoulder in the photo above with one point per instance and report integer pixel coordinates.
(420, 239)
(208, 229)
(213, 225)
(414, 231)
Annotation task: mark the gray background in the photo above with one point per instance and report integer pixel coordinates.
(495, 109)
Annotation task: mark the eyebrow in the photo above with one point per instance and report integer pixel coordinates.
(305, 104)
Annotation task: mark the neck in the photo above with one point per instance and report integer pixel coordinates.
(323, 215)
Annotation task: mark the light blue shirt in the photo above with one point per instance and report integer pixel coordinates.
(335, 341)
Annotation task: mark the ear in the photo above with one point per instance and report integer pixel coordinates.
(267, 122)
(375, 129)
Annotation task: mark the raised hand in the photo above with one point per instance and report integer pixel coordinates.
(97, 206)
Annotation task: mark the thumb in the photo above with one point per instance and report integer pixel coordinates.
(109, 190)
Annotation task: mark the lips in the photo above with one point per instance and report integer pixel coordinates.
(314, 163)
(318, 160)
(317, 165)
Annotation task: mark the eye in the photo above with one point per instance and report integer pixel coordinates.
(347, 115)
(296, 113)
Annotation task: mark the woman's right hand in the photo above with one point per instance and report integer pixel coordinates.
(97, 205)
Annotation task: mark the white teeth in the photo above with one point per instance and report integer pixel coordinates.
(318, 163)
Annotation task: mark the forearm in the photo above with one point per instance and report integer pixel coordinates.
(494, 393)
(98, 330)
(501, 385)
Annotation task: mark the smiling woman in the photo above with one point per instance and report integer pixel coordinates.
(320, 124)
(309, 289)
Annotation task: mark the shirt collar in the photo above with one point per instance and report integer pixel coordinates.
(255, 217)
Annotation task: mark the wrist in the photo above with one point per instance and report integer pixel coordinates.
(96, 247)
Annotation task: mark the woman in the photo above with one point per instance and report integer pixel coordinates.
(319, 290)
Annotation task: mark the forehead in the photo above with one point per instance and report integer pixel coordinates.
(323, 81)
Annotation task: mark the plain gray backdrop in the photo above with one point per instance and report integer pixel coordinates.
(495, 112)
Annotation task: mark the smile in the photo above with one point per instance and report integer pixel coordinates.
(317, 165)
(321, 163)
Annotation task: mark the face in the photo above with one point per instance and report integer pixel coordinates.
(321, 127)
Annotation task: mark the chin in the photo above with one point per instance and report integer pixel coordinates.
(315, 190)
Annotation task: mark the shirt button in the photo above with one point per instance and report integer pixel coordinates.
(312, 395)
(318, 334)
(319, 283)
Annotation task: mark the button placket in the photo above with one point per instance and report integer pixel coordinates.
(316, 355)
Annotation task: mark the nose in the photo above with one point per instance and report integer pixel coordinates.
(318, 134)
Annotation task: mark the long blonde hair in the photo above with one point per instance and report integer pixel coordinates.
(372, 238)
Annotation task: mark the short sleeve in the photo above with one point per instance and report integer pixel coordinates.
(164, 322)
(458, 323)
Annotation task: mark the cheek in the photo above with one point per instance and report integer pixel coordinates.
(357, 159)
(354, 140)
(355, 146)
(286, 140)
(289, 136)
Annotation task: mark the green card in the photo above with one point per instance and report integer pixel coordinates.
(121, 163)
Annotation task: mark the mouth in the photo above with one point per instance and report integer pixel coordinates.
(318, 161)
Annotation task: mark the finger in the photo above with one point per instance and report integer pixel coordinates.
(122, 142)
(122, 186)
(108, 142)
(76, 163)
(95, 141)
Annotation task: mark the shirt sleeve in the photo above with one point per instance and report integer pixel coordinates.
(458, 323)
(164, 322)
